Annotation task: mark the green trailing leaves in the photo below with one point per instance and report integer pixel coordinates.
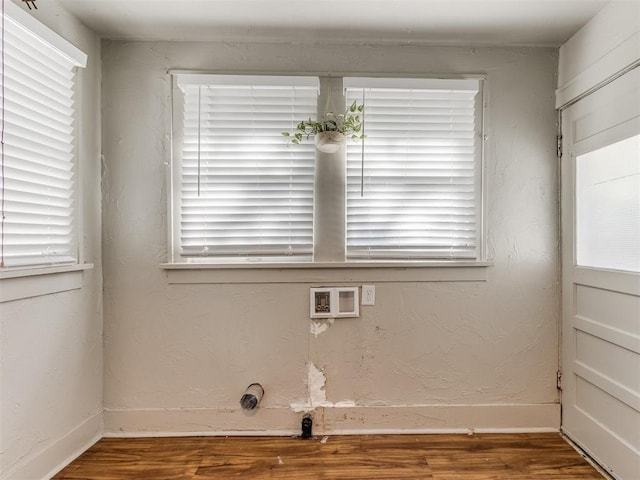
(348, 123)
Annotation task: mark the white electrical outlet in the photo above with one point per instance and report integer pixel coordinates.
(368, 294)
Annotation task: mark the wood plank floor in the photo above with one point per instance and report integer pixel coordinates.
(371, 457)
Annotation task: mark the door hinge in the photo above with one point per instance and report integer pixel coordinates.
(559, 380)
(559, 146)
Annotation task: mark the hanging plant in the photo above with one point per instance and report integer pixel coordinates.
(331, 130)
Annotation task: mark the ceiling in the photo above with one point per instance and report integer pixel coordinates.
(450, 22)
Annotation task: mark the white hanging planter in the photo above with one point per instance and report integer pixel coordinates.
(329, 142)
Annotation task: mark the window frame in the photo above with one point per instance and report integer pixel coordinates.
(178, 78)
(24, 281)
(329, 259)
(418, 84)
(73, 57)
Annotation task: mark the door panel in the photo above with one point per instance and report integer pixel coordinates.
(601, 306)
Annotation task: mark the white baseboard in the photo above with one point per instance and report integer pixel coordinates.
(335, 420)
(46, 462)
(328, 420)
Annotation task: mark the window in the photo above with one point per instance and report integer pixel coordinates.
(243, 193)
(413, 187)
(37, 179)
(608, 206)
(411, 191)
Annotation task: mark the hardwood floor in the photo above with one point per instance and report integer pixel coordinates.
(398, 457)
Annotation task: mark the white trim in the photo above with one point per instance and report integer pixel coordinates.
(335, 420)
(326, 273)
(32, 271)
(584, 453)
(249, 80)
(625, 56)
(483, 205)
(607, 45)
(176, 98)
(46, 462)
(23, 283)
(625, 282)
(412, 83)
(322, 265)
(44, 33)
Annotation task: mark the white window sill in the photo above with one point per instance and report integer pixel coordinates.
(185, 273)
(19, 283)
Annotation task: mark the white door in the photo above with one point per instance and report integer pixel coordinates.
(601, 275)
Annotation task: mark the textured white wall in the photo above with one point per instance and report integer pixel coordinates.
(51, 346)
(428, 356)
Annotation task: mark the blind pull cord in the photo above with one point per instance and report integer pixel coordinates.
(2, 189)
(199, 127)
(364, 110)
(329, 103)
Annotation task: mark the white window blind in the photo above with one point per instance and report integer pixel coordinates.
(413, 188)
(37, 171)
(243, 191)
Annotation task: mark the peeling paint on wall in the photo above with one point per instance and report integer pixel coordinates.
(345, 404)
(317, 381)
(320, 326)
(317, 395)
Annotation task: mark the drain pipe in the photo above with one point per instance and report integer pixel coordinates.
(252, 396)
